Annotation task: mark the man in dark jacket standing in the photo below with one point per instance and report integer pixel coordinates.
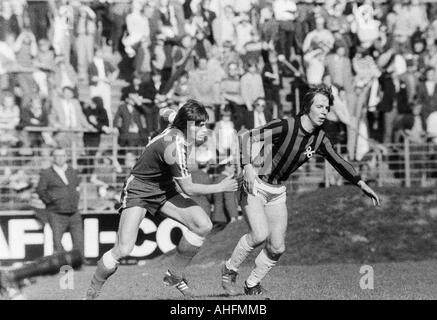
(58, 188)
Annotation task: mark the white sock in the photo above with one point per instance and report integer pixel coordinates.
(109, 261)
(241, 251)
(263, 265)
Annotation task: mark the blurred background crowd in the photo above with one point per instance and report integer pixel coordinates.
(116, 67)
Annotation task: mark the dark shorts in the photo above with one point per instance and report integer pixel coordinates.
(148, 195)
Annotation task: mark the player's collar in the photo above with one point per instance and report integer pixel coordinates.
(299, 119)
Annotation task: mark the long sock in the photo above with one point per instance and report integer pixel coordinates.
(240, 253)
(187, 248)
(263, 264)
(48, 265)
(106, 267)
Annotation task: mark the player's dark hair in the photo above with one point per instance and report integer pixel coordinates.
(191, 111)
(308, 99)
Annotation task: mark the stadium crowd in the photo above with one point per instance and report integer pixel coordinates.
(249, 61)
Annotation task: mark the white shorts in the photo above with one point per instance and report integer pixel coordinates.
(269, 194)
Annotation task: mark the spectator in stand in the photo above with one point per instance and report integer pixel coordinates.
(127, 121)
(224, 27)
(143, 86)
(142, 60)
(85, 35)
(339, 67)
(214, 66)
(320, 34)
(315, 63)
(230, 89)
(208, 17)
(365, 68)
(7, 61)
(339, 115)
(259, 116)
(63, 21)
(272, 81)
(413, 126)
(64, 76)
(9, 119)
(251, 85)
(97, 117)
(159, 54)
(229, 55)
(67, 114)
(137, 26)
(418, 18)
(101, 74)
(410, 78)
(252, 50)
(58, 188)
(427, 93)
(181, 93)
(26, 49)
(244, 31)
(180, 54)
(269, 27)
(8, 21)
(117, 13)
(168, 15)
(36, 115)
(204, 88)
(225, 135)
(202, 46)
(285, 12)
(45, 62)
(365, 26)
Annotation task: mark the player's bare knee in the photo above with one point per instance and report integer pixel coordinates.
(258, 236)
(203, 228)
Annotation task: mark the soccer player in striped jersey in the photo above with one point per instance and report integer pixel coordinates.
(286, 145)
(151, 186)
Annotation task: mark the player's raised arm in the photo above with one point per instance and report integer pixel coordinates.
(345, 169)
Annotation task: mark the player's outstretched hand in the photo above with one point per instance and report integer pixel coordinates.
(370, 193)
(229, 184)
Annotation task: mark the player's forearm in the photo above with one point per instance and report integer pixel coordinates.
(202, 189)
(347, 171)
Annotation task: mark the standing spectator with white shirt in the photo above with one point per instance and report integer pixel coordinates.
(137, 26)
(85, 34)
(58, 188)
(223, 27)
(251, 85)
(285, 13)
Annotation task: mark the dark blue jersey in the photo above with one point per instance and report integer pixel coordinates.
(164, 158)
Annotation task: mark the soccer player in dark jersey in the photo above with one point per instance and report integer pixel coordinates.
(293, 142)
(151, 186)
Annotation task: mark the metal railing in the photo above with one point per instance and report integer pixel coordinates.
(405, 164)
